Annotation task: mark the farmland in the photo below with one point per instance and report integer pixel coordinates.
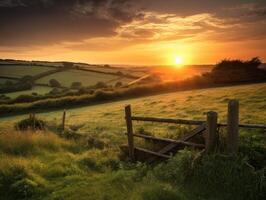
(174, 105)
(87, 76)
(70, 76)
(58, 168)
(19, 71)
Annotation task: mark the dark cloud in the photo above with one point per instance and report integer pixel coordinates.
(27, 22)
(47, 22)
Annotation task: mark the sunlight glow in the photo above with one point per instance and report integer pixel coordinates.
(178, 60)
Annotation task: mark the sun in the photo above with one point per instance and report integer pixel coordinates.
(178, 60)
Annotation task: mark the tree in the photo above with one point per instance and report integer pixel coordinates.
(54, 83)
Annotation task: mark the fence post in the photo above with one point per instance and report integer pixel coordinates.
(232, 126)
(63, 120)
(129, 132)
(34, 121)
(211, 133)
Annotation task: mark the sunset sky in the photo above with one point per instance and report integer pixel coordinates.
(143, 32)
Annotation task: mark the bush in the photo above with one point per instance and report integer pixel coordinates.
(225, 177)
(30, 123)
(54, 83)
(100, 85)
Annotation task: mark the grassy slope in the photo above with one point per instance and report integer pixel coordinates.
(37, 89)
(187, 105)
(86, 78)
(20, 70)
(58, 169)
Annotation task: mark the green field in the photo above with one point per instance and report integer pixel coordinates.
(35, 89)
(185, 105)
(86, 78)
(47, 167)
(21, 70)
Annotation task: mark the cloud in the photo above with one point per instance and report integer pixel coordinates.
(44, 22)
(108, 24)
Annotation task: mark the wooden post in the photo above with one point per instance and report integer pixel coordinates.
(63, 120)
(129, 132)
(211, 132)
(232, 126)
(34, 121)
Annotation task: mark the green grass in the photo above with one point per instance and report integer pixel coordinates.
(194, 104)
(36, 89)
(46, 166)
(21, 70)
(86, 78)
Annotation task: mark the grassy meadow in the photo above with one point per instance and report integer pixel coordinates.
(66, 78)
(45, 165)
(21, 70)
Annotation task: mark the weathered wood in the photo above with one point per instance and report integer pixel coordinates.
(63, 120)
(171, 146)
(232, 126)
(169, 140)
(129, 132)
(152, 153)
(194, 132)
(192, 122)
(255, 126)
(34, 121)
(211, 132)
(171, 121)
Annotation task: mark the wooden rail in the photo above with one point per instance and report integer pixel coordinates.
(168, 140)
(170, 121)
(210, 126)
(192, 122)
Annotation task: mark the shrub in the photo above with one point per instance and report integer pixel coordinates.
(30, 123)
(226, 177)
(99, 85)
(54, 83)
(23, 98)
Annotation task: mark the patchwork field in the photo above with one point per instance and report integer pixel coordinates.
(35, 89)
(66, 78)
(21, 70)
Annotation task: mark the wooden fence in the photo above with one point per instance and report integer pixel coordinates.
(210, 126)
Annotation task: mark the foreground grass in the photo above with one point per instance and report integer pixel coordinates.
(45, 166)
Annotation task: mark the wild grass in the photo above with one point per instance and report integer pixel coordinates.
(47, 166)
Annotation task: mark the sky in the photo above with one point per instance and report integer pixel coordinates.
(136, 32)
